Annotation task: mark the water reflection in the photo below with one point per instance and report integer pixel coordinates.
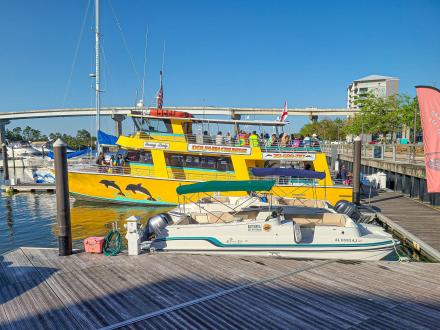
(9, 218)
(91, 219)
(30, 220)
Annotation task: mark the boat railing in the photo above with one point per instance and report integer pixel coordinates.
(229, 141)
(170, 173)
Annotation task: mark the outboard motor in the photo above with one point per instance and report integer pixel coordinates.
(155, 225)
(349, 209)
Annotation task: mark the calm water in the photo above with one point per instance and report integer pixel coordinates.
(30, 220)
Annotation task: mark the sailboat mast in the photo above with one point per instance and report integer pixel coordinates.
(97, 75)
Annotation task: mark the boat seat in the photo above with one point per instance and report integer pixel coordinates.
(303, 202)
(324, 219)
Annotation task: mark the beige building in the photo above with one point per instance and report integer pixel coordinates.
(378, 85)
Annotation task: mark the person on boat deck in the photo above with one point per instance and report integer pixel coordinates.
(253, 139)
(219, 138)
(343, 174)
(267, 140)
(242, 138)
(101, 159)
(296, 143)
(112, 161)
(307, 141)
(274, 140)
(284, 140)
(261, 139)
(206, 138)
(315, 141)
(228, 138)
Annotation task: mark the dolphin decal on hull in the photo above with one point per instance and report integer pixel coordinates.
(112, 185)
(137, 188)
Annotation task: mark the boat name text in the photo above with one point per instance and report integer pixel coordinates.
(156, 145)
(219, 149)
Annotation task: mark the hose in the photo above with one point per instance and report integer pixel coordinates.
(112, 243)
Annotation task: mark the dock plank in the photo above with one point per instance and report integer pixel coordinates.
(213, 292)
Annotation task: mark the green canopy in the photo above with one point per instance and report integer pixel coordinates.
(214, 186)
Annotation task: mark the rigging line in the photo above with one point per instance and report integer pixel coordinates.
(163, 54)
(145, 65)
(118, 24)
(75, 56)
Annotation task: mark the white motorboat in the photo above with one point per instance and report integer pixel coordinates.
(263, 231)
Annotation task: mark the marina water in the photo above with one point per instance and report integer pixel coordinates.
(30, 220)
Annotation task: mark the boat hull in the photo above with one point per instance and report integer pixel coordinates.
(140, 190)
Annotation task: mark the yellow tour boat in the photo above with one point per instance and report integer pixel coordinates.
(169, 149)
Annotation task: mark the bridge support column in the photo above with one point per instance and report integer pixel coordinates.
(3, 124)
(118, 122)
(313, 118)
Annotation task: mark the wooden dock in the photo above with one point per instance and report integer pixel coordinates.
(412, 220)
(29, 187)
(40, 290)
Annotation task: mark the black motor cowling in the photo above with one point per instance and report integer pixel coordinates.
(348, 208)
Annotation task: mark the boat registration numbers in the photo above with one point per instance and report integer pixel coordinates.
(348, 240)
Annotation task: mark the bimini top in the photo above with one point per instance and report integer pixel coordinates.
(293, 172)
(214, 186)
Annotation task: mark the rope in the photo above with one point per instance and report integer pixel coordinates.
(112, 243)
(75, 56)
(124, 40)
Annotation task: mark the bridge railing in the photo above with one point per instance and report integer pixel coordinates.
(399, 153)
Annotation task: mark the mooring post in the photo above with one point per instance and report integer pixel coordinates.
(357, 149)
(5, 163)
(62, 197)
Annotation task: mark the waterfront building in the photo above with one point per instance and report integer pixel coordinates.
(378, 85)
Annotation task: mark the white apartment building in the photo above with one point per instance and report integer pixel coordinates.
(376, 84)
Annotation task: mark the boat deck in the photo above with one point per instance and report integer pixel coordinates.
(40, 290)
(413, 220)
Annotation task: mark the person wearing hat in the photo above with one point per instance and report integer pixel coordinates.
(315, 141)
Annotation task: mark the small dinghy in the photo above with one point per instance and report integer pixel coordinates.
(266, 230)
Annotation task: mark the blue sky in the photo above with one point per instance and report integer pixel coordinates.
(223, 53)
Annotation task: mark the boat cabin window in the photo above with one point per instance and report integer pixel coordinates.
(203, 162)
(159, 125)
(136, 156)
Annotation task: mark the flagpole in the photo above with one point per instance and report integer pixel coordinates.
(97, 75)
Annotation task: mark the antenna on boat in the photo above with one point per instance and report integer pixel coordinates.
(97, 74)
(141, 101)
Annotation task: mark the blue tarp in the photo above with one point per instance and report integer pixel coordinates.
(293, 172)
(106, 139)
(72, 154)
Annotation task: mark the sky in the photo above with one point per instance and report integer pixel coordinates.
(239, 53)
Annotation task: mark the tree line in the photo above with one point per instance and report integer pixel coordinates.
(377, 115)
(81, 140)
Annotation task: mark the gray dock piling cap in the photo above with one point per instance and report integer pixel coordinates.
(59, 143)
(357, 138)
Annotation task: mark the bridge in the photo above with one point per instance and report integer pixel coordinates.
(119, 113)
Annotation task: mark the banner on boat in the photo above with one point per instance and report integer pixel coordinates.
(429, 104)
(288, 156)
(157, 145)
(216, 149)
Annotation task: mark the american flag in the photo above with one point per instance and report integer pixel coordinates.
(285, 113)
(159, 96)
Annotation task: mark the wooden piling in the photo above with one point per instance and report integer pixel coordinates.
(62, 197)
(5, 163)
(357, 148)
